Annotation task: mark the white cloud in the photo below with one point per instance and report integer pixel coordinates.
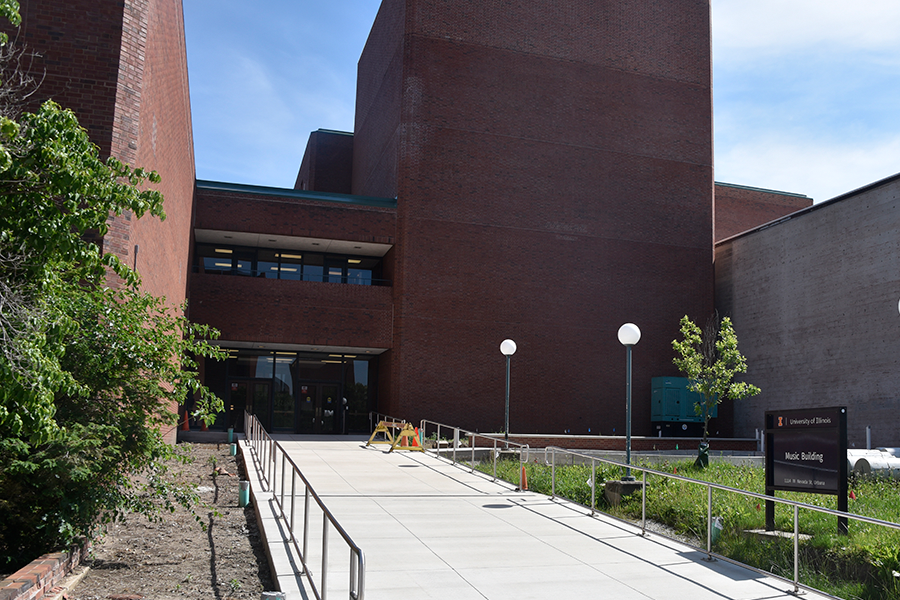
(806, 93)
(777, 26)
(807, 166)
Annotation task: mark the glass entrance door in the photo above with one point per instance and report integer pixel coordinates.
(252, 396)
(234, 408)
(261, 405)
(330, 407)
(319, 408)
(283, 410)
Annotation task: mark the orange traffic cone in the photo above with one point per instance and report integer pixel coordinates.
(416, 439)
(523, 480)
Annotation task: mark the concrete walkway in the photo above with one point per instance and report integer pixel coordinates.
(430, 529)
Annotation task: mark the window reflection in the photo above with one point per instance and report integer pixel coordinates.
(299, 391)
(291, 265)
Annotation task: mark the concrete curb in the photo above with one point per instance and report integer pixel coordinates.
(284, 561)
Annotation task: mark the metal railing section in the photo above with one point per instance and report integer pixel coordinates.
(274, 466)
(496, 444)
(796, 506)
(377, 417)
(497, 447)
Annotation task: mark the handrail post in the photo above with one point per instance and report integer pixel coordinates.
(494, 455)
(305, 524)
(709, 521)
(455, 441)
(553, 473)
(354, 592)
(324, 555)
(521, 470)
(796, 548)
(283, 473)
(293, 500)
(264, 460)
(270, 460)
(361, 574)
(644, 502)
(473, 452)
(593, 485)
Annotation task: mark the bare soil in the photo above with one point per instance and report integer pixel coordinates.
(176, 558)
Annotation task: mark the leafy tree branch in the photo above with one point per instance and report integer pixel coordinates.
(710, 359)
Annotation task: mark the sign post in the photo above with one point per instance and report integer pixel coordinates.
(806, 451)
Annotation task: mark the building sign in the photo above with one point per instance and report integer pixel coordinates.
(806, 451)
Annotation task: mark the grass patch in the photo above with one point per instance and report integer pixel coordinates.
(863, 565)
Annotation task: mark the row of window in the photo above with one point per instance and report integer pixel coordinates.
(287, 264)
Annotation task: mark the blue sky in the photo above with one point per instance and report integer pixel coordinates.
(806, 92)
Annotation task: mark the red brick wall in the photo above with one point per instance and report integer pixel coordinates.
(164, 143)
(40, 577)
(78, 43)
(553, 167)
(122, 69)
(327, 164)
(814, 305)
(270, 311)
(378, 92)
(292, 216)
(740, 208)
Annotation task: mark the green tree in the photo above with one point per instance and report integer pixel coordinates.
(89, 373)
(55, 195)
(710, 359)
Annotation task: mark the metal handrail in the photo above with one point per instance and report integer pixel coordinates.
(523, 449)
(266, 451)
(377, 417)
(709, 519)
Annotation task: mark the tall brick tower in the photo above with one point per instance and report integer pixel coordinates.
(552, 164)
(122, 68)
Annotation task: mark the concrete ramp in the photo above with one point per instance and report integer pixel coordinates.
(431, 529)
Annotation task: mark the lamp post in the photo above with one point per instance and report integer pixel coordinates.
(507, 348)
(629, 335)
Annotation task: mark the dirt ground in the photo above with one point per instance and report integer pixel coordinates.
(177, 558)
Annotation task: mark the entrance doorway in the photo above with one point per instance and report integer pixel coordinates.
(252, 396)
(321, 410)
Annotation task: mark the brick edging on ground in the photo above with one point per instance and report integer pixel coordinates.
(38, 578)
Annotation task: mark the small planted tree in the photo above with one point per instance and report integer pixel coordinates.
(710, 359)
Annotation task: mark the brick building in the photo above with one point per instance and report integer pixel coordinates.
(814, 299)
(122, 68)
(551, 179)
(539, 171)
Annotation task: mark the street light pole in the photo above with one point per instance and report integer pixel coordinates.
(507, 348)
(629, 335)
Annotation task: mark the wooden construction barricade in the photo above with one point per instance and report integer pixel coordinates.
(401, 442)
(384, 427)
